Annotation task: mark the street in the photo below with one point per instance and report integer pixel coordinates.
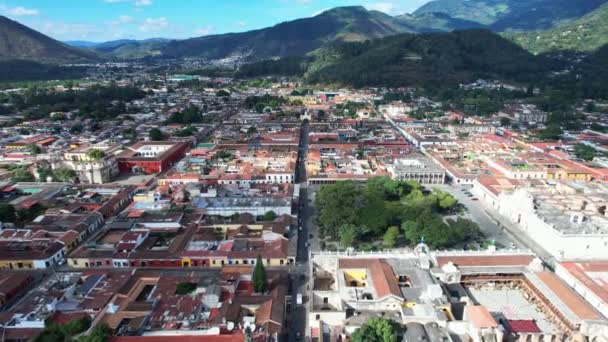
(301, 276)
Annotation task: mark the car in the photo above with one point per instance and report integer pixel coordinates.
(512, 245)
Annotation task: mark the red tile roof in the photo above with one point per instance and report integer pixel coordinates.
(381, 273)
(480, 316)
(580, 270)
(486, 260)
(522, 326)
(577, 304)
(181, 338)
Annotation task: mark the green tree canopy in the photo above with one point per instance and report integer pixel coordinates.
(96, 154)
(584, 152)
(34, 149)
(348, 235)
(259, 278)
(269, 216)
(390, 237)
(7, 213)
(156, 134)
(63, 174)
(22, 174)
(376, 330)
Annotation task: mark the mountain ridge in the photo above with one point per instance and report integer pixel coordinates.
(513, 15)
(18, 41)
(585, 34)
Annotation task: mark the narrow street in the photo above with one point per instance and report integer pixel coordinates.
(300, 276)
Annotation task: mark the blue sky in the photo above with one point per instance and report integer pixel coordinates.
(102, 20)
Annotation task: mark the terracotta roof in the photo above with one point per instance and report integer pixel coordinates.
(576, 303)
(522, 326)
(480, 316)
(580, 272)
(181, 338)
(382, 275)
(486, 260)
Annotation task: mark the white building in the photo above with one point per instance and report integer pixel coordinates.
(568, 219)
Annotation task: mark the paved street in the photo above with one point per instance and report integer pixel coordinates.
(300, 275)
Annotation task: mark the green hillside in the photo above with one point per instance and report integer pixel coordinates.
(434, 59)
(293, 38)
(585, 34)
(20, 42)
(509, 15)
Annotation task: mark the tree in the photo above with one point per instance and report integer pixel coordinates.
(22, 174)
(348, 235)
(63, 174)
(7, 213)
(337, 205)
(376, 330)
(390, 237)
(222, 93)
(269, 216)
(101, 333)
(552, 132)
(155, 134)
(444, 200)
(96, 154)
(259, 278)
(584, 152)
(185, 288)
(34, 149)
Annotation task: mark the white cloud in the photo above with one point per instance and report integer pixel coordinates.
(241, 23)
(19, 11)
(386, 7)
(154, 24)
(141, 3)
(64, 31)
(123, 19)
(203, 31)
(137, 3)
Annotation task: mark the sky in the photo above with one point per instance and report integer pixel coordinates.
(103, 20)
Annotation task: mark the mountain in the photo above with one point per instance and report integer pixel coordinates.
(132, 49)
(585, 34)
(429, 59)
(513, 15)
(20, 42)
(437, 22)
(293, 38)
(80, 43)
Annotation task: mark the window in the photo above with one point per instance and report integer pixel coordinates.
(325, 300)
(318, 317)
